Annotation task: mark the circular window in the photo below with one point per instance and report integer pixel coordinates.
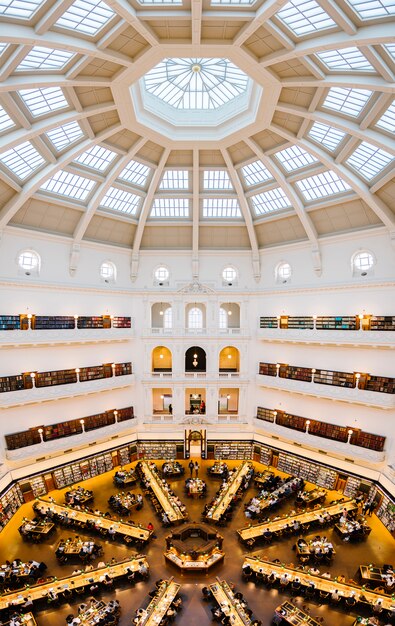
(363, 261)
(107, 271)
(161, 274)
(229, 274)
(29, 261)
(284, 272)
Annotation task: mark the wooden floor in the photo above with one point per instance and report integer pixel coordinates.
(379, 548)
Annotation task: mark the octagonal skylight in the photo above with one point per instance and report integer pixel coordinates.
(183, 97)
(196, 83)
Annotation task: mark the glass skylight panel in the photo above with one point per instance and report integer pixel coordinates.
(135, 173)
(390, 47)
(387, 120)
(22, 160)
(70, 185)
(5, 120)
(369, 160)
(255, 173)
(372, 9)
(63, 136)
(326, 135)
(345, 59)
(293, 158)
(305, 17)
(175, 179)
(3, 46)
(196, 84)
(22, 9)
(232, 2)
(40, 58)
(169, 2)
(216, 179)
(170, 207)
(120, 200)
(221, 207)
(269, 201)
(97, 157)
(322, 185)
(86, 16)
(346, 100)
(44, 100)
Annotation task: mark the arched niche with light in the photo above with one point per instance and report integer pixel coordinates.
(229, 360)
(161, 316)
(229, 316)
(161, 359)
(195, 359)
(29, 262)
(362, 263)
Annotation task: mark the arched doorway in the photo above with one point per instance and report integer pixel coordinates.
(195, 360)
(195, 444)
(161, 359)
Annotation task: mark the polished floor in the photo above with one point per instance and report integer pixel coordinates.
(379, 548)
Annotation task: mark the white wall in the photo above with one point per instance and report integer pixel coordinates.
(335, 292)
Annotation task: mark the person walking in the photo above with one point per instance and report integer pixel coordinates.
(191, 466)
(196, 469)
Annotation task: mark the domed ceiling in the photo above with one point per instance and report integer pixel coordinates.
(197, 124)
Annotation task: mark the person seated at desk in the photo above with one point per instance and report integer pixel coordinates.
(341, 578)
(326, 575)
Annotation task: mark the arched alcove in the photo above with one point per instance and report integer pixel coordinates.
(195, 359)
(161, 316)
(229, 360)
(161, 359)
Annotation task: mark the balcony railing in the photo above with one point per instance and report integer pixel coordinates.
(344, 394)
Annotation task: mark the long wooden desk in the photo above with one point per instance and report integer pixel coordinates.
(261, 477)
(321, 584)
(306, 549)
(359, 529)
(78, 496)
(122, 528)
(234, 482)
(200, 562)
(27, 620)
(58, 585)
(229, 604)
(171, 509)
(159, 605)
(293, 615)
(256, 531)
(122, 478)
(76, 547)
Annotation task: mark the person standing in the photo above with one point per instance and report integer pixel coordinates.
(191, 466)
(196, 469)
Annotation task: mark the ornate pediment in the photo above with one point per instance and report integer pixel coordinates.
(195, 419)
(196, 288)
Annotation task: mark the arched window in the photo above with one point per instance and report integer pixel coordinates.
(283, 272)
(108, 272)
(29, 261)
(362, 262)
(168, 318)
(195, 318)
(223, 318)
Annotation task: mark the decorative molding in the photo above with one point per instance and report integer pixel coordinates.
(352, 338)
(196, 288)
(33, 338)
(341, 394)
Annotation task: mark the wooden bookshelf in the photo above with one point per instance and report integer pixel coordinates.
(295, 373)
(268, 369)
(382, 322)
(268, 322)
(323, 429)
(60, 430)
(63, 377)
(57, 377)
(62, 322)
(338, 379)
(338, 322)
(381, 384)
(166, 450)
(53, 322)
(300, 323)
